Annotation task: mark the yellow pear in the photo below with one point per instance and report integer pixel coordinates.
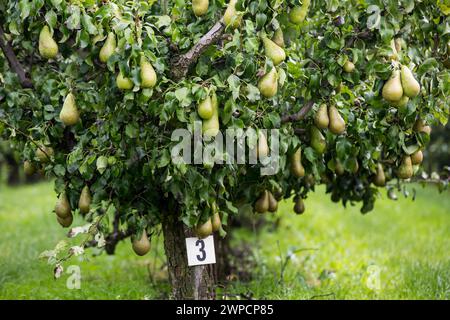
(211, 126)
(108, 48)
(200, 7)
(403, 102)
(69, 114)
(262, 204)
(379, 179)
(204, 230)
(298, 14)
(321, 119)
(411, 87)
(299, 207)
(349, 67)
(148, 74)
(392, 89)
(318, 141)
(141, 246)
(263, 147)
(420, 126)
(278, 38)
(232, 18)
(62, 207)
(268, 84)
(65, 222)
(297, 168)
(417, 157)
(215, 220)
(405, 171)
(44, 153)
(273, 203)
(84, 204)
(124, 83)
(28, 168)
(48, 48)
(205, 109)
(273, 51)
(337, 123)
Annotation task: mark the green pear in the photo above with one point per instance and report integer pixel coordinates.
(108, 47)
(211, 126)
(204, 230)
(417, 157)
(403, 102)
(273, 203)
(65, 222)
(411, 87)
(297, 168)
(349, 67)
(48, 48)
(298, 14)
(273, 51)
(232, 18)
(337, 123)
(205, 109)
(420, 126)
(299, 207)
(215, 220)
(200, 7)
(338, 167)
(62, 207)
(268, 84)
(44, 153)
(148, 74)
(28, 168)
(141, 246)
(124, 83)
(321, 119)
(278, 38)
(379, 179)
(69, 114)
(263, 147)
(262, 204)
(392, 89)
(405, 171)
(318, 141)
(84, 204)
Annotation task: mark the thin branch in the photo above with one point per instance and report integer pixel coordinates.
(299, 115)
(180, 64)
(14, 64)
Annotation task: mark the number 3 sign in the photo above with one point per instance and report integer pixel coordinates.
(200, 251)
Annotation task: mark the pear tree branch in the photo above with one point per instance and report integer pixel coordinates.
(15, 65)
(181, 63)
(300, 115)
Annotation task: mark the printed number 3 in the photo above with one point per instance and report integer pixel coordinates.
(201, 243)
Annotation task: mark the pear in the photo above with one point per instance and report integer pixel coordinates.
(268, 84)
(273, 203)
(338, 167)
(297, 168)
(273, 51)
(200, 7)
(318, 141)
(399, 44)
(65, 222)
(28, 168)
(405, 171)
(141, 246)
(411, 87)
(62, 207)
(108, 48)
(232, 18)
(48, 48)
(204, 230)
(392, 89)
(148, 74)
(44, 153)
(349, 67)
(298, 13)
(403, 102)
(85, 200)
(124, 83)
(417, 157)
(299, 206)
(263, 147)
(211, 126)
(262, 204)
(205, 109)
(216, 222)
(321, 119)
(69, 114)
(420, 126)
(379, 179)
(353, 161)
(278, 38)
(337, 123)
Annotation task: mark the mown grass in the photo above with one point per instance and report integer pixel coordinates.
(406, 242)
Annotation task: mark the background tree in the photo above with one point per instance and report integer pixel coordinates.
(92, 91)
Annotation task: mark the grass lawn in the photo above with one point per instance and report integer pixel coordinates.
(398, 251)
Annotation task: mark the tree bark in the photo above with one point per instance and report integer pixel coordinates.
(188, 283)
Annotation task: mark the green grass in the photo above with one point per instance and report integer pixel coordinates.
(407, 242)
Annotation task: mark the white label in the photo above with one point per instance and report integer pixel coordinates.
(200, 251)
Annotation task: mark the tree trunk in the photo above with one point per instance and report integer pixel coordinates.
(187, 283)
